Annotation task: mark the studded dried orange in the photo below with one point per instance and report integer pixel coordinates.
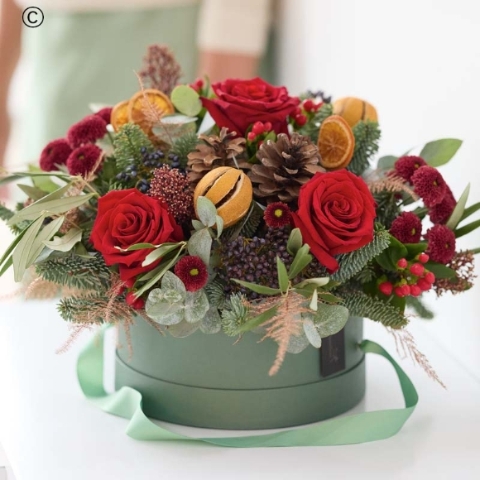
(335, 143)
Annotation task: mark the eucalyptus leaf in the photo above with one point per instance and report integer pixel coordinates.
(283, 280)
(219, 223)
(200, 245)
(67, 242)
(206, 211)
(164, 307)
(186, 100)
(297, 343)
(440, 152)
(262, 290)
(329, 319)
(295, 241)
(196, 306)
(387, 162)
(197, 225)
(183, 329)
(171, 282)
(211, 322)
(457, 213)
(311, 333)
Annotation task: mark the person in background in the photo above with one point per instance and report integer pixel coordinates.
(86, 51)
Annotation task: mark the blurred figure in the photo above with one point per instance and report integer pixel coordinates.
(85, 52)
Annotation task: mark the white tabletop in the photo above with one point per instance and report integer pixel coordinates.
(50, 432)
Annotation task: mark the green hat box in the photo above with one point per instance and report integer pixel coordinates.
(212, 381)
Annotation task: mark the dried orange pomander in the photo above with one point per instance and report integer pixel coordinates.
(229, 189)
(354, 109)
(336, 143)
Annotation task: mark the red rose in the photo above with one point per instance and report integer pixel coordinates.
(335, 215)
(240, 103)
(127, 217)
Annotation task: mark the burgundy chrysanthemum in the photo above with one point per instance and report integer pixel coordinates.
(192, 272)
(441, 244)
(173, 188)
(83, 160)
(55, 153)
(441, 212)
(429, 184)
(87, 130)
(406, 166)
(277, 215)
(105, 114)
(407, 228)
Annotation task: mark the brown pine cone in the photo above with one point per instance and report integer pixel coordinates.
(285, 165)
(218, 151)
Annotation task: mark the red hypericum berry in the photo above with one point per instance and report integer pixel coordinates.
(415, 290)
(251, 136)
(430, 277)
(399, 291)
(406, 289)
(268, 126)
(424, 285)
(258, 128)
(300, 120)
(308, 105)
(135, 303)
(423, 257)
(296, 112)
(386, 288)
(318, 106)
(417, 269)
(402, 263)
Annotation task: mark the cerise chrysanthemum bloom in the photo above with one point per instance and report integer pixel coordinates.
(83, 159)
(105, 114)
(407, 165)
(192, 272)
(55, 153)
(441, 244)
(407, 228)
(87, 130)
(429, 184)
(441, 212)
(277, 215)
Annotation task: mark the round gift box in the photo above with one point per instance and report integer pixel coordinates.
(210, 381)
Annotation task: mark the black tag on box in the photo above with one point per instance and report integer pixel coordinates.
(332, 354)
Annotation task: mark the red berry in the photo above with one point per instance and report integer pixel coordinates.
(424, 285)
(429, 277)
(417, 269)
(415, 290)
(406, 290)
(136, 303)
(258, 128)
(251, 136)
(300, 120)
(423, 257)
(268, 126)
(308, 105)
(296, 112)
(402, 263)
(386, 288)
(399, 292)
(318, 105)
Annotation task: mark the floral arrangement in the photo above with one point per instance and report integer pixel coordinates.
(236, 207)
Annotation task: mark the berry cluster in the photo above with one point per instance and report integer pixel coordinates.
(298, 117)
(259, 131)
(197, 85)
(414, 278)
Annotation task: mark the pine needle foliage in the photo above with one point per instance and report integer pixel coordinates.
(216, 294)
(367, 135)
(419, 308)
(361, 305)
(72, 308)
(387, 207)
(76, 272)
(248, 226)
(127, 145)
(311, 128)
(183, 146)
(352, 263)
(5, 213)
(235, 314)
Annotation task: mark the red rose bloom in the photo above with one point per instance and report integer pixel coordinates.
(240, 103)
(127, 217)
(335, 215)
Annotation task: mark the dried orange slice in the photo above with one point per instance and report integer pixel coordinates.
(335, 143)
(119, 115)
(147, 106)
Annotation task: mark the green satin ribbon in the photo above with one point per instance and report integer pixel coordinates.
(360, 428)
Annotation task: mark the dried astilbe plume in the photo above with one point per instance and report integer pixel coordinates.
(286, 323)
(393, 184)
(160, 69)
(406, 347)
(463, 264)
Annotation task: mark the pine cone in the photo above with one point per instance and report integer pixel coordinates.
(285, 166)
(217, 151)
